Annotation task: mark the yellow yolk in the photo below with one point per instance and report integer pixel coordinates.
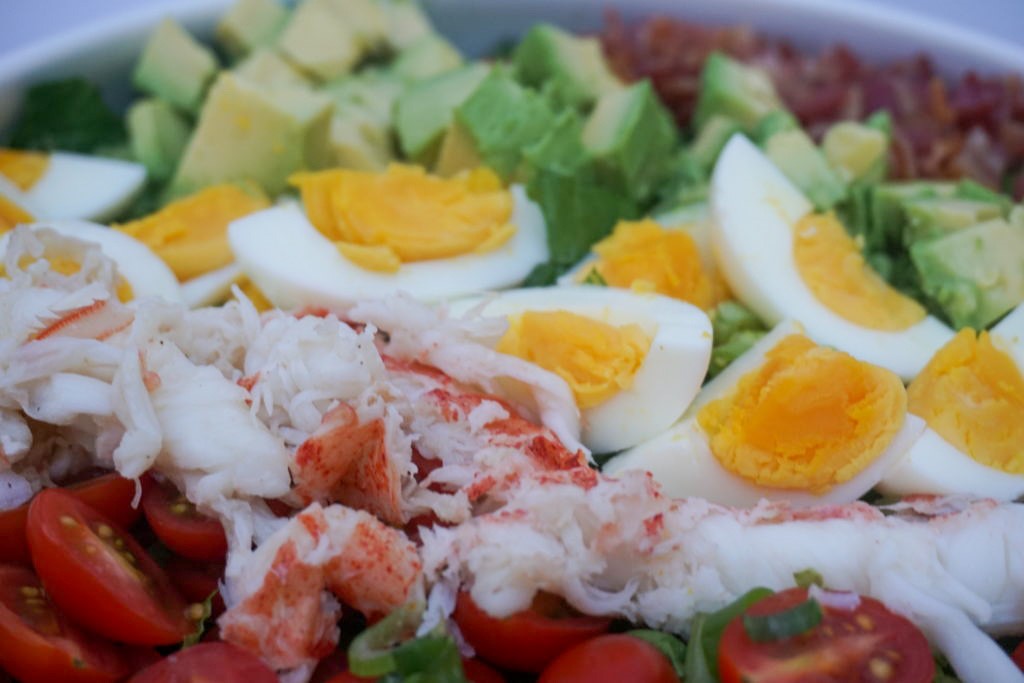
(67, 266)
(596, 359)
(381, 220)
(12, 215)
(831, 265)
(258, 298)
(972, 394)
(191, 234)
(23, 169)
(809, 418)
(645, 257)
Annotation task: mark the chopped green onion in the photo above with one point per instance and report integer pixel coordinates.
(389, 649)
(786, 624)
(702, 653)
(205, 610)
(808, 577)
(595, 278)
(372, 653)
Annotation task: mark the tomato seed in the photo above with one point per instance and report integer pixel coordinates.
(864, 621)
(105, 531)
(880, 669)
(195, 612)
(68, 521)
(29, 591)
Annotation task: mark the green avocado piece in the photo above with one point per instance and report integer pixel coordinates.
(250, 24)
(976, 274)
(458, 152)
(632, 138)
(175, 67)
(502, 117)
(802, 162)
(358, 142)
(742, 92)
(774, 122)
(328, 38)
(572, 69)
(158, 134)
(428, 56)
(935, 216)
(561, 147)
(405, 22)
(249, 132)
(374, 90)
(266, 67)
(885, 217)
(711, 138)
(424, 111)
(857, 151)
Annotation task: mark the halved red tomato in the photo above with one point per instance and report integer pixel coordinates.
(869, 642)
(100, 576)
(528, 640)
(196, 581)
(208, 663)
(110, 494)
(609, 659)
(39, 645)
(1018, 655)
(474, 670)
(181, 527)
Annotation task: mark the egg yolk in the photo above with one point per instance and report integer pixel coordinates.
(595, 358)
(381, 220)
(254, 294)
(972, 394)
(191, 234)
(24, 169)
(808, 419)
(12, 215)
(832, 266)
(645, 257)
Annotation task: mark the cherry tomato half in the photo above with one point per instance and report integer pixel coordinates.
(528, 640)
(475, 671)
(869, 642)
(1018, 655)
(181, 527)
(208, 663)
(110, 494)
(100, 576)
(609, 659)
(39, 645)
(196, 581)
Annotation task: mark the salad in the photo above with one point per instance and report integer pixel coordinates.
(340, 356)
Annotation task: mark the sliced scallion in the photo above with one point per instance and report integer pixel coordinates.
(786, 624)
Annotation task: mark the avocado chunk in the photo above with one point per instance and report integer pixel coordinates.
(175, 67)
(742, 92)
(428, 56)
(250, 24)
(631, 137)
(374, 90)
(975, 275)
(266, 67)
(328, 38)
(858, 152)
(458, 152)
(571, 69)
(935, 216)
(716, 131)
(358, 142)
(501, 117)
(561, 147)
(405, 22)
(158, 134)
(248, 132)
(774, 122)
(424, 111)
(798, 157)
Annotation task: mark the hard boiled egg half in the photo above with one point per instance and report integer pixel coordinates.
(361, 234)
(63, 185)
(787, 420)
(971, 394)
(633, 361)
(785, 261)
(142, 272)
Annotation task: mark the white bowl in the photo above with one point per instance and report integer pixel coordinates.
(106, 51)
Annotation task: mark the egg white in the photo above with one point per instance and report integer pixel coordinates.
(294, 265)
(935, 466)
(141, 268)
(755, 208)
(666, 381)
(212, 288)
(77, 186)
(682, 461)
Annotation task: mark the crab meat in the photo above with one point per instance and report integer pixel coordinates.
(285, 603)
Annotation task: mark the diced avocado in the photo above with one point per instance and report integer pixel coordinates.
(429, 56)
(969, 189)
(260, 134)
(632, 138)
(358, 142)
(405, 22)
(561, 147)
(697, 212)
(372, 90)
(774, 122)
(175, 67)
(686, 183)
(798, 157)
(327, 38)
(502, 117)
(887, 216)
(975, 275)
(250, 24)
(742, 92)
(458, 152)
(858, 152)
(881, 121)
(424, 111)
(934, 217)
(266, 67)
(572, 69)
(158, 135)
(710, 140)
